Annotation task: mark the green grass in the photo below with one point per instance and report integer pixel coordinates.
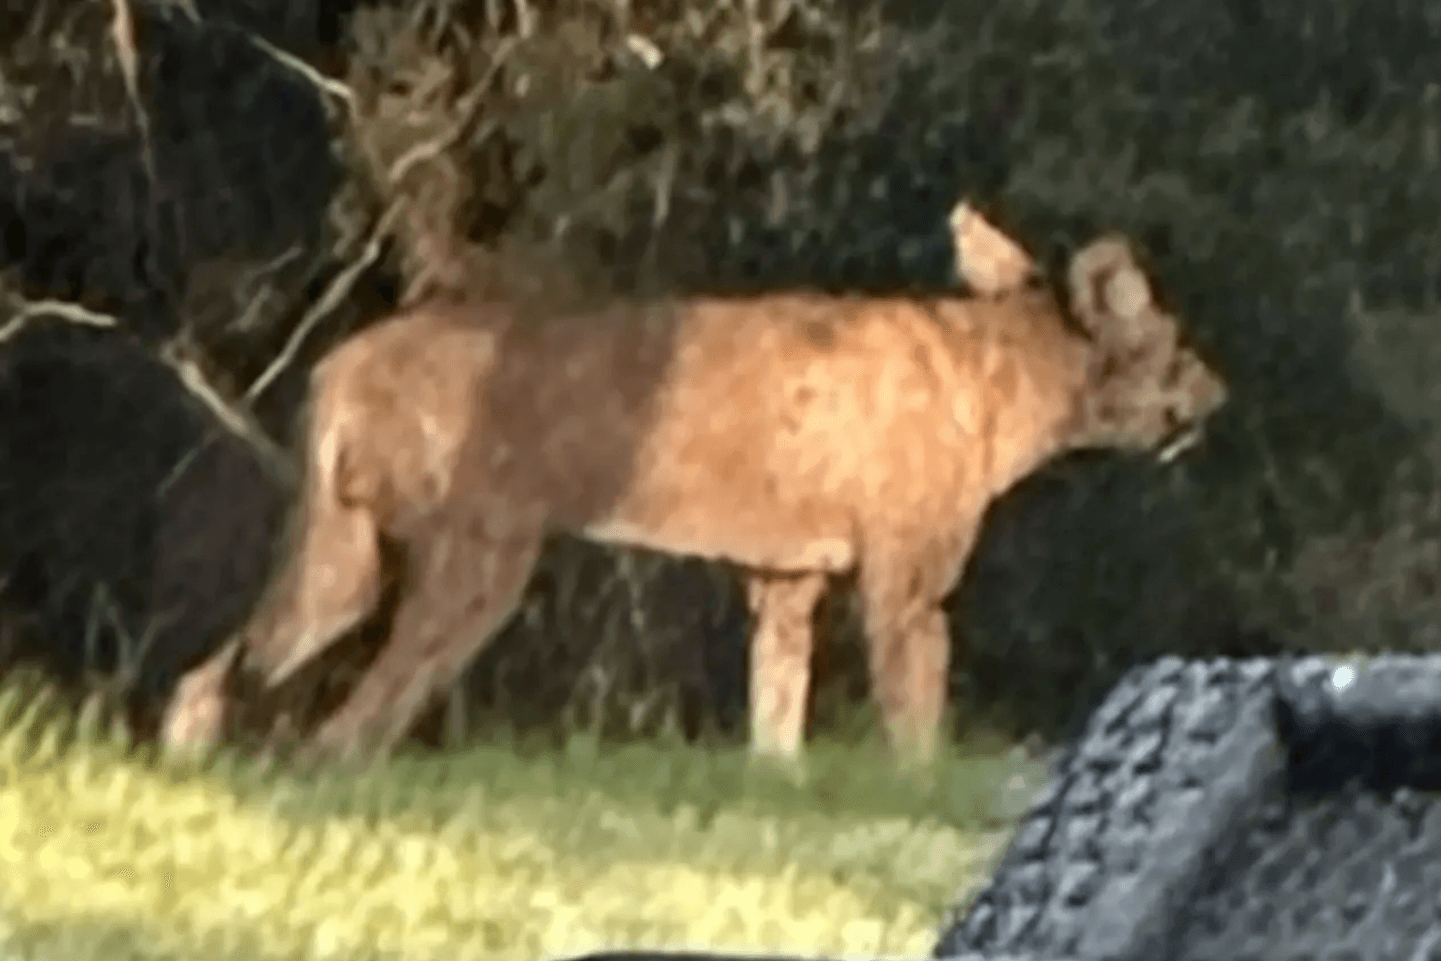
(494, 852)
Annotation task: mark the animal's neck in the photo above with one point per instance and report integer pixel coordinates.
(1064, 373)
(1033, 373)
(1065, 399)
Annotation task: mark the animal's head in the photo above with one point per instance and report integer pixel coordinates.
(1148, 389)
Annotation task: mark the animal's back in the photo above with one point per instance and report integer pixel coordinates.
(786, 423)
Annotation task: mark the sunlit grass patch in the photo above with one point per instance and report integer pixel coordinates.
(494, 852)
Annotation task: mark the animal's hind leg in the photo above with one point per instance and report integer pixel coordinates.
(464, 584)
(783, 606)
(331, 586)
(195, 718)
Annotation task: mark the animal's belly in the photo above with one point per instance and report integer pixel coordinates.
(725, 518)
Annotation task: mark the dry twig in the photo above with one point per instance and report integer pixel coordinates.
(334, 294)
(464, 112)
(64, 309)
(236, 420)
(122, 33)
(329, 85)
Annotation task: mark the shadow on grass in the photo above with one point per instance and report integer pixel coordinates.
(973, 788)
(82, 938)
(847, 778)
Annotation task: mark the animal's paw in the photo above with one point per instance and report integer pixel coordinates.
(194, 722)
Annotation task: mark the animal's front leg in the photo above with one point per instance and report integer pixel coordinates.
(909, 666)
(908, 638)
(783, 606)
(466, 583)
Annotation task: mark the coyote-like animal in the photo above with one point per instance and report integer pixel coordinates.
(797, 435)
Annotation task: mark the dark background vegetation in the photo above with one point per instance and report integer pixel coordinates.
(286, 171)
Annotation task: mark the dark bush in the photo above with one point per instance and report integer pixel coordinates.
(135, 529)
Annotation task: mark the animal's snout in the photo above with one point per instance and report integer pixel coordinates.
(1204, 393)
(1214, 395)
(1200, 392)
(1214, 392)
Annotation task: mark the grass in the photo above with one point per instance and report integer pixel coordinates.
(495, 852)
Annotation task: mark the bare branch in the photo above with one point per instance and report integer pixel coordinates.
(320, 81)
(186, 5)
(464, 112)
(64, 309)
(525, 18)
(339, 288)
(239, 422)
(248, 281)
(122, 33)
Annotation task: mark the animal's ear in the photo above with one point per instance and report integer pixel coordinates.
(1109, 291)
(990, 263)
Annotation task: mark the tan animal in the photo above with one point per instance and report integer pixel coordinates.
(797, 435)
